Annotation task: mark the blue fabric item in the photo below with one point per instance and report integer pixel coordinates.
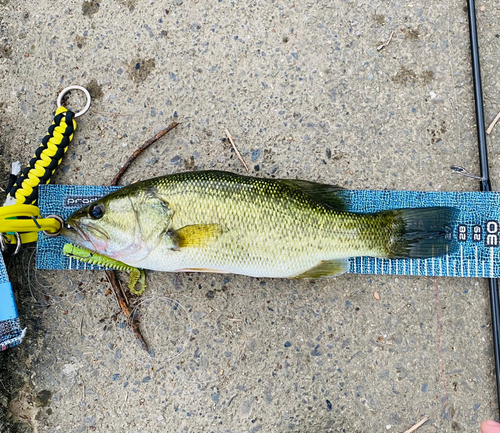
(476, 232)
(4, 278)
(11, 333)
(63, 200)
(8, 309)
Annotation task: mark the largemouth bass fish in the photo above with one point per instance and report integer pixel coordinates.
(213, 221)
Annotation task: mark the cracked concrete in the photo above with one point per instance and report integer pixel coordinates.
(305, 94)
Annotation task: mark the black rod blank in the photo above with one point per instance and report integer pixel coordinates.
(485, 181)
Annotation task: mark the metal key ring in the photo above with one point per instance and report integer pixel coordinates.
(53, 235)
(68, 89)
(3, 241)
(18, 243)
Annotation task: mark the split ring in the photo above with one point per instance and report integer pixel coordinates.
(82, 89)
(53, 235)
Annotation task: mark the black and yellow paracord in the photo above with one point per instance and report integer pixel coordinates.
(25, 191)
(46, 159)
(20, 219)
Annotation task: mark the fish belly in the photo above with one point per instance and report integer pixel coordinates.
(279, 250)
(198, 260)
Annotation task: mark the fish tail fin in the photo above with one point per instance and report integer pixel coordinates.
(421, 232)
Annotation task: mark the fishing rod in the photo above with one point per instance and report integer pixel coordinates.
(485, 183)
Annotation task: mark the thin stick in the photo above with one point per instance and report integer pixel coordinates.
(107, 113)
(122, 302)
(381, 47)
(141, 149)
(492, 124)
(417, 425)
(81, 326)
(231, 400)
(236, 150)
(122, 291)
(119, 293)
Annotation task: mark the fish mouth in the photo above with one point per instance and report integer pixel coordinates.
(79, 233)
(73, 231)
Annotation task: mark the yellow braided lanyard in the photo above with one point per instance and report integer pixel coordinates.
(39, 170)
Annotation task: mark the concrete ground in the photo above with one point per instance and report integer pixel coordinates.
(306, 94)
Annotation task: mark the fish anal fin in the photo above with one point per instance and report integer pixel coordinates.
(325, 269)
(329, 195)
(196, 235)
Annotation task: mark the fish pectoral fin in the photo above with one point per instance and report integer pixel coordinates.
(326, 268)
(329, 195)
(196, 235)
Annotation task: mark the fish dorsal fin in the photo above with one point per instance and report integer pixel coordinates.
(154, 216)
(326, 268)
(196, 235)
(329, 195)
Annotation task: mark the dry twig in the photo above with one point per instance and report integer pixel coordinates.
(108, 113)
(492, 124)
(121, 298)
(381, 47)
(229, 136)
(141, 149)
(417, 425)
(122, 302)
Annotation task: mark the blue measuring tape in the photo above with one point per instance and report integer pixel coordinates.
(476, 232)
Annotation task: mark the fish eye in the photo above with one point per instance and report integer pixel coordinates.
(96, 211)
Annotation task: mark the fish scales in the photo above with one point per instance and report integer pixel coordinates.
(260, 221)
(222, 222)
